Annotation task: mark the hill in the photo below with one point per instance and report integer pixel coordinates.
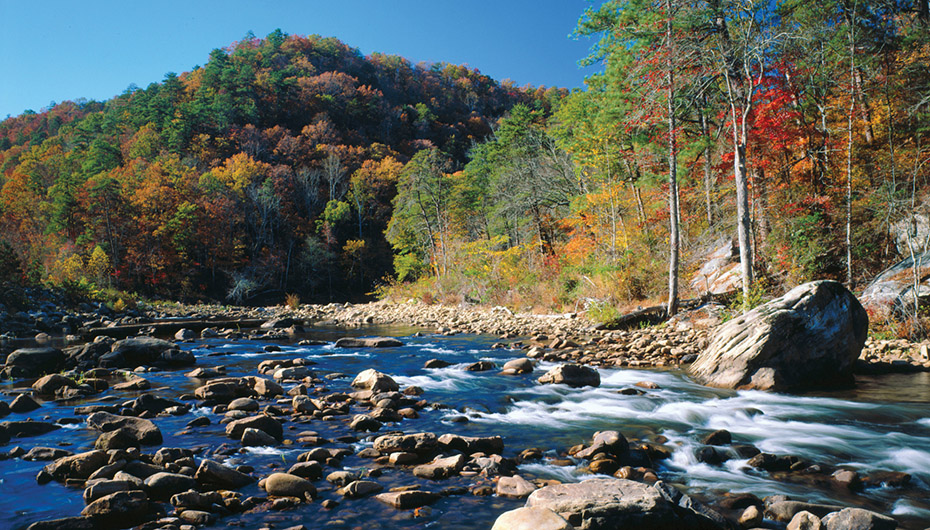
(270, 169)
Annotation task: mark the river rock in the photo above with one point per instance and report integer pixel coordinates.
(287, 485)
(472, 444)
(808, 338)
(79, 466)
(376, 342)
(364, 422)
(531, 518)
(161, 486)
(197, 517)
(573, 375)
(375, 381)
(515, 486)
(255, 438)
(16, 429)
(116, 439)
(38, 454)
(215, 474)
(440, 468)
(33, 362)
(144, 431)
(784, 511)
(101, 488)
(609, 442)
(49, 384)
(140, 351)
(423, 443)
(602, 504)
(246, 404)
(307, 470)
(64, 523)
(122, 509)
(408, 500)
(360, 488)
(857, 519)
(24, 403)
(518, 366)
(805, 521)
(264, 423)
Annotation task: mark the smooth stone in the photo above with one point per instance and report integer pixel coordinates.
(515, 486)
(531, 518)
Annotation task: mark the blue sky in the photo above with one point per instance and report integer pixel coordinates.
(54, 50)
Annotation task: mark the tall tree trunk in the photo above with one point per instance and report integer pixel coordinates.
(708, 175)
(672, 171)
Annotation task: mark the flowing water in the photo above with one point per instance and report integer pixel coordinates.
(882, 425)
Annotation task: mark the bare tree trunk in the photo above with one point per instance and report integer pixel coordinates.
(672, 171)
(708, 175)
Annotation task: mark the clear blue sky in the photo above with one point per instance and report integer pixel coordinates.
(55, 50)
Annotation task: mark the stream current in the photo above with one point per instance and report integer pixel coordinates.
(884, 424)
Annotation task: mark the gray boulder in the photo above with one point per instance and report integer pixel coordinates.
(614, 503)
(531, 518)
(266, 424)
(33, 362)
(858, 519)
(573, 375)
(808, 338)
(375, 381)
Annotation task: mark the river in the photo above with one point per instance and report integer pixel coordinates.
(884, 424)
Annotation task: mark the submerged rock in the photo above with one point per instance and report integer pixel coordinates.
(376, 342)
(808, 338)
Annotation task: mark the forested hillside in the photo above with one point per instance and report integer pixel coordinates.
(269, 169)
(296, 165)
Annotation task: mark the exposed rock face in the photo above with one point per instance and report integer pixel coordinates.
(720, 273)
(573, 375)
(808, 338)
(892, 291)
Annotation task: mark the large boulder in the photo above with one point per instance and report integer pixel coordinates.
(139, 351)
(609, 504)
(892, 292)
(33, 362)
(573, 375)
(808, 338)
(141, 430)
(267, 424)
(375, 381)
(531, 518)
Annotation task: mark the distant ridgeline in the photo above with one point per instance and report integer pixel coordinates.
(270, 169)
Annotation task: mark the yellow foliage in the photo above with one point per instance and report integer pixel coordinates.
(239, 171)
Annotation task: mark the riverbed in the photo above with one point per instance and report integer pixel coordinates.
(884, 424)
